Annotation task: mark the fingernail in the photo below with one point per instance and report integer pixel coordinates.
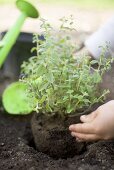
(72, 134)
(83, 116)
(78, 140)
(70, 127)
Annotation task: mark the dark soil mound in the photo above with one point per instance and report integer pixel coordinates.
(51, 135)
(17, 151)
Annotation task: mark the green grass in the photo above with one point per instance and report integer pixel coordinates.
(84, 3)
(97, 4)
(6, 1)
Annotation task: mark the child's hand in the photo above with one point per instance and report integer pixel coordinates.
(96, 126)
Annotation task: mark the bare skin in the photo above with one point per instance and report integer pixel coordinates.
(99, 125)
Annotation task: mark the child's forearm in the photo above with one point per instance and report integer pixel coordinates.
(105, 35)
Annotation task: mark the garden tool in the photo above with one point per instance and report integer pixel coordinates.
(27, 10)
(14, 97)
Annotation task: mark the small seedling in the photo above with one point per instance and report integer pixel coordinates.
(59, 83)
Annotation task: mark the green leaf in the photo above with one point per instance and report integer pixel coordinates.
(40, 70)
(44, 87)
(42, 99)
(69, 109)
(70, 91)
(48, 108)
(65, 98)
(33, 49)
(50, 77)
(94, 62)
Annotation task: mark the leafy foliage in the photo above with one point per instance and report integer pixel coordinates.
(57, 82)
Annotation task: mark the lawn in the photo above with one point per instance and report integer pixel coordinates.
(84, 3)
(101, 4)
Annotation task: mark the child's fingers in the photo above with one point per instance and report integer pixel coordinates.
(88, 118)
(85, 137)
(82, 128)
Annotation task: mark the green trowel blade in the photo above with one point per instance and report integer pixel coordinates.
(15, 100)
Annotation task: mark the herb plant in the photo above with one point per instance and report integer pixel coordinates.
(57, 81)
